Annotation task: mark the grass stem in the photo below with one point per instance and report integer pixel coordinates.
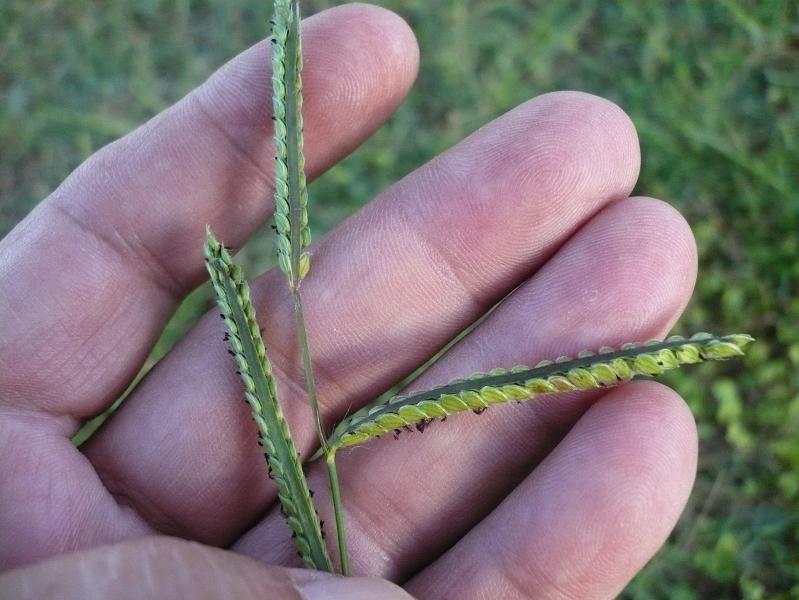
(314, 402)
(335, 491)
(310, 384)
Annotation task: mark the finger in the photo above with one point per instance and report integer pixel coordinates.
(388, 288)
(170, 568)
(590, 516)
(407, 501)
(94, 272)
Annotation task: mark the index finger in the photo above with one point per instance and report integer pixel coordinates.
(94, 272)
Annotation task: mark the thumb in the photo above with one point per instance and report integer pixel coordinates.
(163, 568)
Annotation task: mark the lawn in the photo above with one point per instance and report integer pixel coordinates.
(713, 88)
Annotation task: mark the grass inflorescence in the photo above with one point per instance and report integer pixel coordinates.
(722, 77)
(291, 193)
(606, 368)
(588, 370)
(255, 370)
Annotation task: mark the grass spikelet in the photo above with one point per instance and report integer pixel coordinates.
(255, 370)
(587, 371)
(291, 194)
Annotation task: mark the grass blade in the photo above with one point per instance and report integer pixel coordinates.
(249, 352)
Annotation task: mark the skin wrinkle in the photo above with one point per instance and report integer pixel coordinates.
(265, 178)
(155, 272)
(549, 171)
(49, 495)
(447, 269)
(106, 356)
(126, 498)
(517, 582)
(50, 359)
(140, 147)
(162, 521)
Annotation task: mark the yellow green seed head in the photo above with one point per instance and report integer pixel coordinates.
(587, 371)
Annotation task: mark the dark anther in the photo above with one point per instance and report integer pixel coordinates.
(311, 492)
(229, 351)
(479, 411)
(222, 315)
(397, 434)
(238, 372)
(422, 425)
(408, 428)
(293, 534)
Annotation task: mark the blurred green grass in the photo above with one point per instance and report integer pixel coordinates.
(713, 88)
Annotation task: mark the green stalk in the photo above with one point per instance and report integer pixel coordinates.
(335, 491)
(307, 367)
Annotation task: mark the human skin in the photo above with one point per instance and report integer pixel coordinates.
(567, 496)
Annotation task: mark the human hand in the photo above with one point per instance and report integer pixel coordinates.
(565, 496)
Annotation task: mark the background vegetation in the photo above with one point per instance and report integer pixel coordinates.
(714, 90)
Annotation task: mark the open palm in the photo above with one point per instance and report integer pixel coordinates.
(565, 497)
